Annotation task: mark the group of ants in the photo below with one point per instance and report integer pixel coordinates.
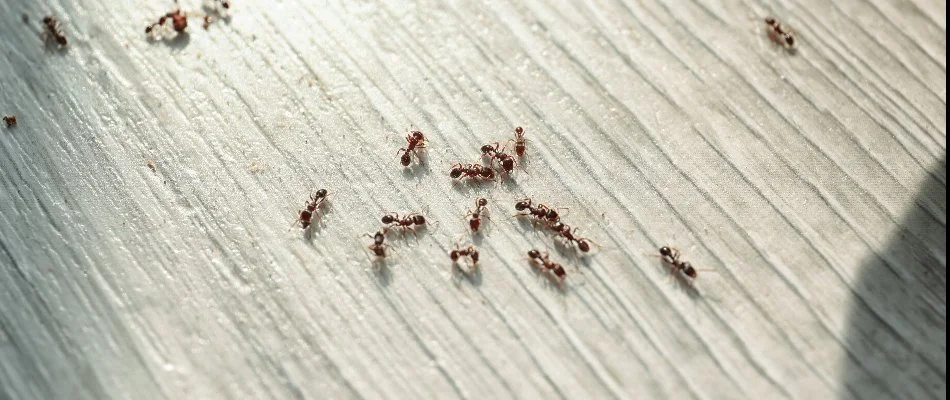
(175, 22)
(548, 217)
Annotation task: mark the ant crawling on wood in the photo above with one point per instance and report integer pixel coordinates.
(409, 221)
(306, 215)
(52, 29)
(178, 18)
(780, 34)
(378, 247)
(543, 261)
(481, 207)
(10, 120)
(506, 160)
(540, 212)
(563, 230)
(469, 252)
(416, 141)
(671, 256)
(471, 171)
(520, 144)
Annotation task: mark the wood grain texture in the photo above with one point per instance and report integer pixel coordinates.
(813, 185)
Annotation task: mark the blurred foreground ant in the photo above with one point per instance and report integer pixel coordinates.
(315, 201)
(780, 34)
(520, 141)
(481, 206)
(471, 171)
(52, 29)
(10, 120)
(394, 221)
(178, 18)
(416, 141)
(469, 252)
(563, 230)
(543, 261)
(671, 256)
(378, 247)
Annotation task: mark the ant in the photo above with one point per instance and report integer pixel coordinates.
(306, 215)
(471, 171)
(394, 221)
(480, 209)
(10, 120)
(416, 141)
(178, 18)
(520, 141)
(541, 212)
(671, 256)
(219, 8)
(378, 247)
(507, 161)
(780, 33)
(463, 252)
(54, 30)
(543, 261)
(563, 230)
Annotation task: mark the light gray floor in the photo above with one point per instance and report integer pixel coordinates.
(811, 185)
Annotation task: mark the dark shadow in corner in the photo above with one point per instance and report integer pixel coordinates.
(898, 324)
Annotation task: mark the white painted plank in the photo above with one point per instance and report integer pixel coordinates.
(813, 185)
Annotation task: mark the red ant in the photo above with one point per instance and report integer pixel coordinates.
(543, 261)
(671, 256)
(471, 171)
(178, 18)
(563, 230)
(416, 141)
(540, 212)
(463, 252)
(10, 120)
(378, 247)
(394, 221)
(507, 161)
(315, 201)
(780, 33)
(520, 141)
(480, 209)
(54, 30)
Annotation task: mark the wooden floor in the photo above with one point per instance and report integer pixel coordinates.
(147, 191)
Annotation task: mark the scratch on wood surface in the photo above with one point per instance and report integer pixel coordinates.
(813, 185)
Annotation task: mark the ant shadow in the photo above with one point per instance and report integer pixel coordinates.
(383, 272)
(418, 170)
(551, 281)
(470, 185)
(471, 274)
(177, 42)
(681, 282)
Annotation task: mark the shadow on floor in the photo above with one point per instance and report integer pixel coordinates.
(897, 327)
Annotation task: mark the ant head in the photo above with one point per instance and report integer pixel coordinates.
(454, 255)
(770, 21)
(688, 269)
(482, 202)
(387, 219)
(552, 215)
(487, 148)
(321, 193)
(48, 19)
(522, 205)
(456, 172)
(666, 251)
(418, 220)
(789, 40)
(534, 254)
(519, 131)
(226, 4)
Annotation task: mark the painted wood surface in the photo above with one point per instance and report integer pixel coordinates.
(147, 191)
